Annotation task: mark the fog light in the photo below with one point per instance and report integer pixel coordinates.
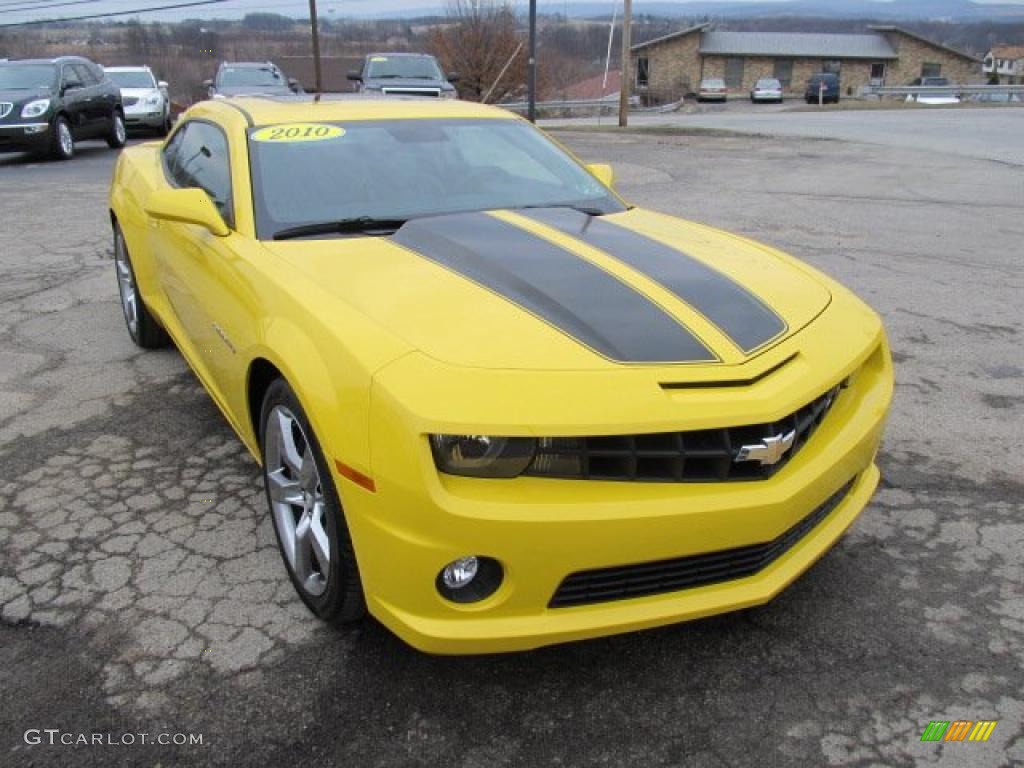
(469, 579)
(458, 573)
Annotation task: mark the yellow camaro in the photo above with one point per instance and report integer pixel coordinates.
(495, 405)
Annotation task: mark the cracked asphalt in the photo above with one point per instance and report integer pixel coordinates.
(141, 591)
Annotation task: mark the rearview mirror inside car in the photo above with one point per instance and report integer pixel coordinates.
(603, 173)
(187, 206)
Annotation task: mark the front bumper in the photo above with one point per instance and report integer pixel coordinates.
(24, 137)
(543, 530)
(137, 116)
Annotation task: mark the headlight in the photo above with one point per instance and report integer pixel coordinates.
(482, 455)
(35, 108)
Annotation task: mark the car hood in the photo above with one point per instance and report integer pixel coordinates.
(20, 95)
(247, 90)
(557, 289)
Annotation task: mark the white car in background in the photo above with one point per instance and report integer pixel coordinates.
(934, 97)
(145, 99)
(766, 89)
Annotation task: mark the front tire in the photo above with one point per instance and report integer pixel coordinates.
(62, 143)
(306, 512)
(142, 326)
(118, 135)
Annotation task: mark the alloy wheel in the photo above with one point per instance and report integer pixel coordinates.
(119, 129)
(126, 285)
(67, 144)
(297, 500)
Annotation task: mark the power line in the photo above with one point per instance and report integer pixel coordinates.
(43, 4)
(133, 12)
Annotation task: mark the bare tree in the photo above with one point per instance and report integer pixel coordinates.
(478, 39)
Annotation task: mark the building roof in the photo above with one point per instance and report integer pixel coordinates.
(923, 39)
(1007, 52)
(796, 44)
(672, 36)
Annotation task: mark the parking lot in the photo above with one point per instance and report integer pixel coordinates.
(142, 591)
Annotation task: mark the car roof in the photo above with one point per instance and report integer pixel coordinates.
(126, 68)
(401, 55)
(269, 110)
(57, 60)
(248, 64)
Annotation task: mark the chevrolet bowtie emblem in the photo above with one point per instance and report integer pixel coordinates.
(768, 451)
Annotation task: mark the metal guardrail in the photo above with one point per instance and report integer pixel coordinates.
(935, 90)
(613, 105)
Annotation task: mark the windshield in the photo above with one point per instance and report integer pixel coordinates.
(262, 77)
(412, 67)
(135, 79)
(26, 76)
(401, 169)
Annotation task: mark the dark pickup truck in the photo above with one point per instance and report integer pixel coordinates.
(404, 74)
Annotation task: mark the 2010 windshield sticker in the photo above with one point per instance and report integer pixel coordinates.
(296, 132)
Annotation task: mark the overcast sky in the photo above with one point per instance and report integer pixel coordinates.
(23, 10)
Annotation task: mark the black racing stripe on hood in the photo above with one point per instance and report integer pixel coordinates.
(575, 296)
(741, 315)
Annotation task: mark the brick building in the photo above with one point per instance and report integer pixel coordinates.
(672, 66)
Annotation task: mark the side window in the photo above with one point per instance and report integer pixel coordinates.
(85, 75)
(69, 75)
(931, 69)
(197, 156)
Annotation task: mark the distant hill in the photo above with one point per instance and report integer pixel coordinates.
(894, 10)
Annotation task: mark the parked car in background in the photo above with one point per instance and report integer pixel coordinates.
(248, 78)
(823, 86)
(767, 89)
(712, 89)
(404, 74)
(145, 99)
(936, 97)
(46, 105)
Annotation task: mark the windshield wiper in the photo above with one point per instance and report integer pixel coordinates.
(366, 225)
(590, 211)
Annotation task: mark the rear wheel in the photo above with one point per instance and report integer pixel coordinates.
(305, 510)
(62, 143)
(142, 326)
(118, 135)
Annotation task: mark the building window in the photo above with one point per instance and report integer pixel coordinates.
(877, 72)
(784, 71)
(931, 69)
(831, 65)
(734, 73)
(642, 72)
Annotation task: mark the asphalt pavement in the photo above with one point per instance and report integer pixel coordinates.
(141, 591)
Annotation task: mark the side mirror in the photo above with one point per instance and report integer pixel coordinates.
(207, 83)
(453, 77)
(71, 85)
(187, 206)
(354, 74)
(293, 84)
(603, 173)
(162, 85)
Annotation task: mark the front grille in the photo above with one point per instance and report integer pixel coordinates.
(411, 91)
(130, 101)
(708, 455)
(5, 109)
(621, 582)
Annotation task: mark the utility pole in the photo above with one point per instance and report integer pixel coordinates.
(531, 65)
(317, 82)
(627, 42)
